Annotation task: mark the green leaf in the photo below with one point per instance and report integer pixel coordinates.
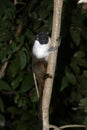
(83, 86)
(14, 67)
(75, 34)
(21, 102)
(27, 83)
(14, 48)
(16, 98)
(79, 54)
(85, 73)
(1, 105)
(4, 54)
(20, 40)
(75, 66)
(85, 121)
(4, 86)
(23, 58)
(82, 62)
(74, 97)
(85, 110)
(34, 96)
(83, 102)
(30, 36)
(71, 78)
(15, 83)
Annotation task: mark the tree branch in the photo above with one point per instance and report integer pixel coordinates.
(51, 63)
(72, 126)
(67, 126)
(3, 68)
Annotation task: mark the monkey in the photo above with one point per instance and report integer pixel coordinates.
(40, 54)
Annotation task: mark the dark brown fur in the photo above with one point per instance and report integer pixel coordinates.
(39, 67)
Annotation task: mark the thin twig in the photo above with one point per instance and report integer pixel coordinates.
(72, 126)
(3, 68)
(54, 127)
(36, 86)
(67, 126)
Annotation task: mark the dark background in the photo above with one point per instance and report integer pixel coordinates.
(18, 99)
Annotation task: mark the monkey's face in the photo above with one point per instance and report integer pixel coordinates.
(43, 38)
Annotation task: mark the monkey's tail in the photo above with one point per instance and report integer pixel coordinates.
(40, 106)
(40, 115)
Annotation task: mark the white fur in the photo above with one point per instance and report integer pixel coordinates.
(41, 50)
(82, 1)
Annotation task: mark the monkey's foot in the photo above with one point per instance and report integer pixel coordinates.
(47, 76)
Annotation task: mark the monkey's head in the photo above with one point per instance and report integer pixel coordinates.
(43, 38)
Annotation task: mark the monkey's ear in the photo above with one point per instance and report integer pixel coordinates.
(36, 37)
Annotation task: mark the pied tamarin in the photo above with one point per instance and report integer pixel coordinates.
(40, 55)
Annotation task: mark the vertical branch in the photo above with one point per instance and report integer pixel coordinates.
(51, 63)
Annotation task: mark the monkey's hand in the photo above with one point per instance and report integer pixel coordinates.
(54, 48)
